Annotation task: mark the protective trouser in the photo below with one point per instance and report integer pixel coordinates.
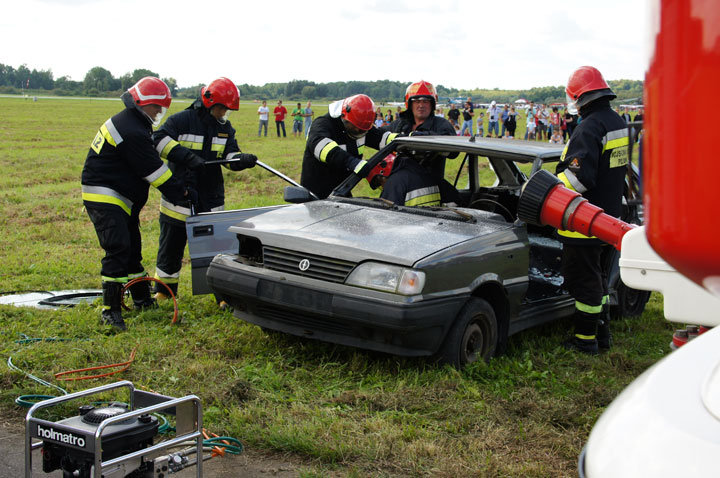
(119, 236)
(140, 292)
(170, 254)
(586, 269)
(112, 298)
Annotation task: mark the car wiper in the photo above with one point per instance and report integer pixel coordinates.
(385, 202)
(464, 215)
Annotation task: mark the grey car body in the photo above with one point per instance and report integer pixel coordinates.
(487, 275)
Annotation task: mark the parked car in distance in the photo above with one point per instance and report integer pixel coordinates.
(451, 282)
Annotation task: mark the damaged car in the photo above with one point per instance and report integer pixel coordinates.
(451, 282)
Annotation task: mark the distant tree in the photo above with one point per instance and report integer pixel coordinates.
(42, 79)
(126, 81)
(22, 76)
(7, 75)
(172, 84)
(308, 92)
(100, 80)
(141, 73)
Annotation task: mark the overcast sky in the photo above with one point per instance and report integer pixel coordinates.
(513, 44)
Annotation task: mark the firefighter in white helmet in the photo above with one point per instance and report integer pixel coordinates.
(120, 167)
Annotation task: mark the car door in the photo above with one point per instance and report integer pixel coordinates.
(208, 236)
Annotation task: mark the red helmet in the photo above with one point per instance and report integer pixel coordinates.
(151, 91)
(359, 110)
(421, 89)
(221, 92)
(383, 168)
(587, 84)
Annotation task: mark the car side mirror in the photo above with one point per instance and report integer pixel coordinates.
(296, 195)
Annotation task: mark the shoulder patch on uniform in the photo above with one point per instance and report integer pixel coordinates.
(574, 163)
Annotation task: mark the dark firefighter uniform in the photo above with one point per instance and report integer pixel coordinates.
(119, 169)
(593, 163)
(433, 125)
(330, 154)
(185, 136)
(410, 184)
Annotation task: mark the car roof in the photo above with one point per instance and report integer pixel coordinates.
(508, 149)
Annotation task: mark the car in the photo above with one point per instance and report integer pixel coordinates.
(451, 282)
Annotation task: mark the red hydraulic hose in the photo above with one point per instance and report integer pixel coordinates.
(152, 279)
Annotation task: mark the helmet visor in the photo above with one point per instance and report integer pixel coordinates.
(224, 118)
(353, 131)
(571, 105)
(155, 113)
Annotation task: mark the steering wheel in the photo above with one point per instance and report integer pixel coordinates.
(498, 208)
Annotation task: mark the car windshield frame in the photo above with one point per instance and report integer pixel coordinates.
(511, 150)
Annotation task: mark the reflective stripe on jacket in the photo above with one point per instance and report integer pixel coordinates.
(122, 164)
(194, 131)
(329, 152)
(410, 184)
(594, 161)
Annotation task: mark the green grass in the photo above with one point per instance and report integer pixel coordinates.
(338, 410)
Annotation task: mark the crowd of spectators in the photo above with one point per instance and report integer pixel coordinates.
(552, 123)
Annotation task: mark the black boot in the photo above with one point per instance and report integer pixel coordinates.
(161, 293)
(604, 337)
(140, 292)
(585, 338)
(111, 314)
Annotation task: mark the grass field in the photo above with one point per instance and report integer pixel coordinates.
(337, 410)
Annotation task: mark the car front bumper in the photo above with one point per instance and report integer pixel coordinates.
(335, 313)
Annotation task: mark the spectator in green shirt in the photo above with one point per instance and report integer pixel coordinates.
(297, 115)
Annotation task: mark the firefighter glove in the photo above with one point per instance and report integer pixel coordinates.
(191, 197)
(244, 161)
(195, 162)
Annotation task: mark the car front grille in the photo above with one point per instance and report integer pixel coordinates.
(319, 267)
(304, 320)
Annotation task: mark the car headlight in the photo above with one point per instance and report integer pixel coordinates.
(388, 278)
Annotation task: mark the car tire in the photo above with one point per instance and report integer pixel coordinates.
(473, 335)
(631, 302)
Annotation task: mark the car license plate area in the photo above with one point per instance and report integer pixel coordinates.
(295, 296)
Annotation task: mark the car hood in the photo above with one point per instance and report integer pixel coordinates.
(355, 232)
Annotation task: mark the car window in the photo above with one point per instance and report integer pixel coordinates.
(486, 175)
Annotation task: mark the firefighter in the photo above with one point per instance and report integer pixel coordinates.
(187, 140)
(419, 114)
(336, 142)
(593, 164)
(119, 169)
(419, 119)
(404, 182)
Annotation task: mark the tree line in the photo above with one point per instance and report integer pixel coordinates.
(99, 81)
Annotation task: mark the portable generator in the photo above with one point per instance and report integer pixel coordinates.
(115, 440)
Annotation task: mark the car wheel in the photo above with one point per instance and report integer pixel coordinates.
(472, 337)
(631, 302)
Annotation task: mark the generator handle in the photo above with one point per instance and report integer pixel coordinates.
(194, 435)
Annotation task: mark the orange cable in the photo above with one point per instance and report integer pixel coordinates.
(216, 451)
(124, 365)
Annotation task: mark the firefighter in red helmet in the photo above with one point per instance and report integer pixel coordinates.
(336, 142)
(419, 115)
(419, 119)
(188, 139)
(120, 167)
(594, 164)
